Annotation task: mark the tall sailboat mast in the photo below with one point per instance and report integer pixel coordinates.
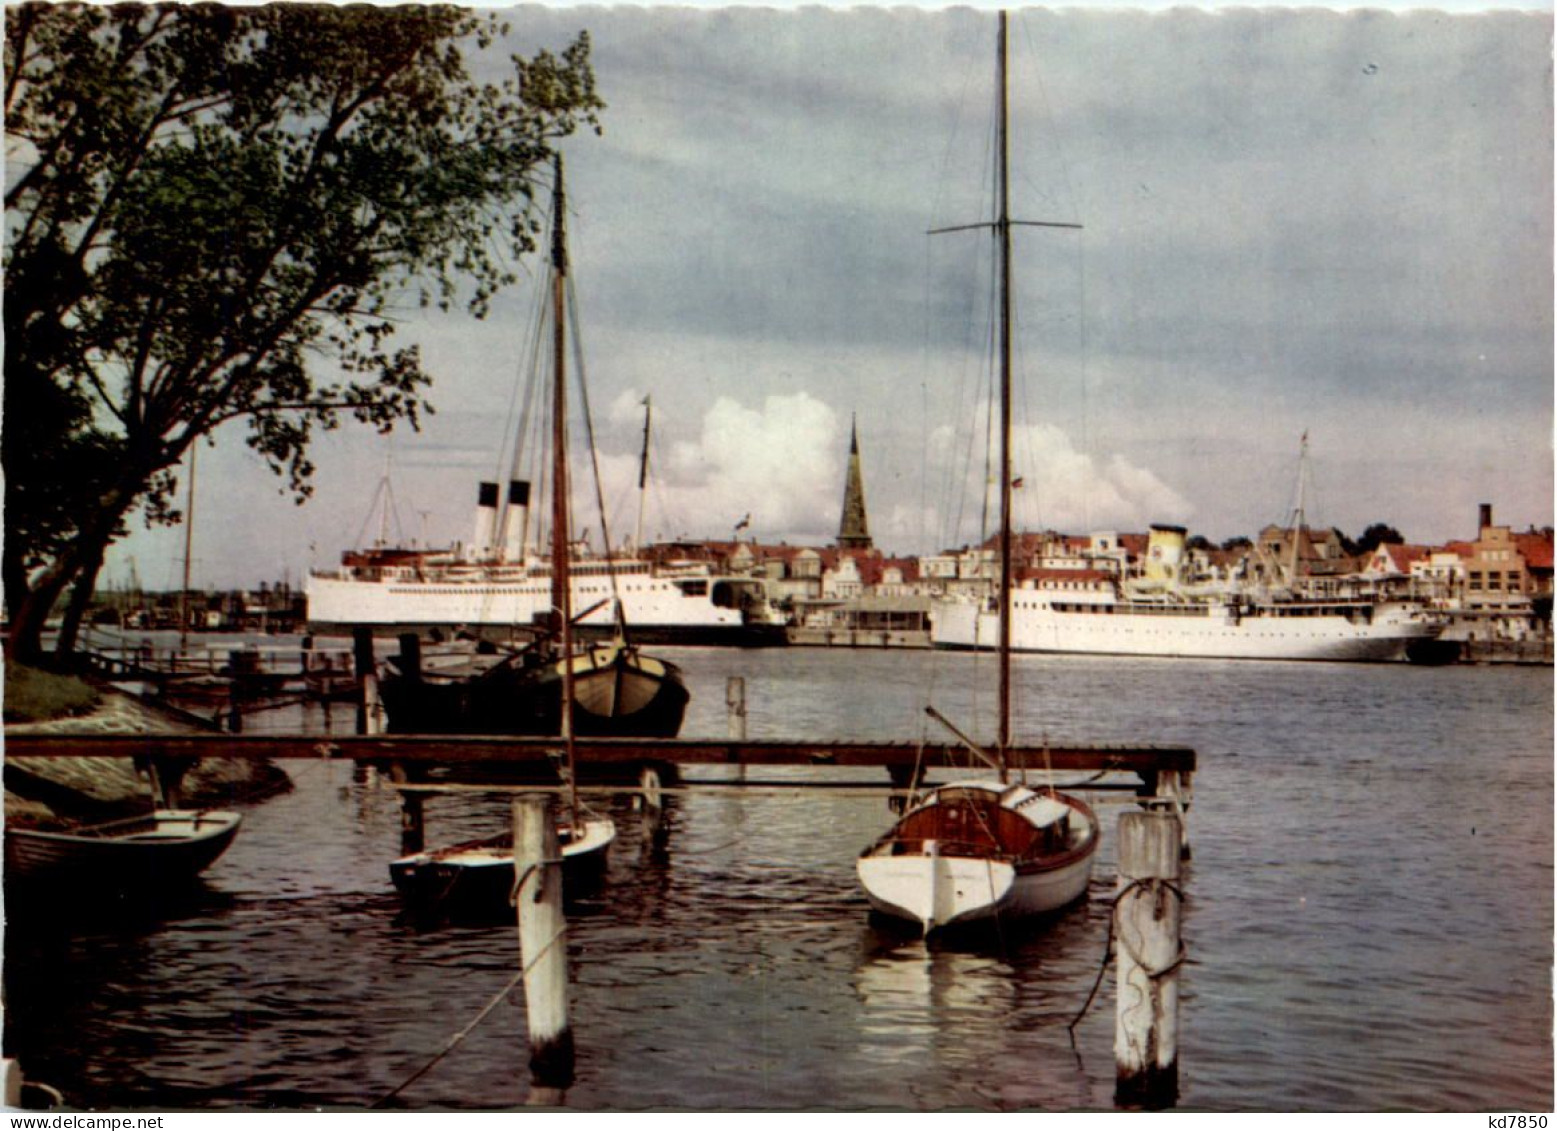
(1003, 235)
(561, 589)
(1001, 226)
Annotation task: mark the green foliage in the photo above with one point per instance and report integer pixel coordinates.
(213, 214)
(1372, 538)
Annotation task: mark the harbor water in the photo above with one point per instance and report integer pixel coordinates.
(1368, 920)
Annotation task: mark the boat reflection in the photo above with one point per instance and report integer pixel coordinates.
(932, 1009)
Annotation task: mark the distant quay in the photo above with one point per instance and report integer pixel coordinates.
(802, 637)
(1533, 651)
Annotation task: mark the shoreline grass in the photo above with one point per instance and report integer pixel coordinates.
(35, 696)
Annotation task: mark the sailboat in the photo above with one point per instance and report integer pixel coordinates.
(612, 690)
(474, 880)
(470, 687)
(980, 850)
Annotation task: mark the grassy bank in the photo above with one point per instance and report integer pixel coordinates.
(33, 696)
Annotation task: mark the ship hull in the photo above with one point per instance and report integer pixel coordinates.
(1216, 633)
(617, 693)
(657, 635)
(168, 847)
(657, 610)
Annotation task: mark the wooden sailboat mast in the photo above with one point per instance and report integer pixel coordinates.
(1001, 226)
(561, 590)
(1003, 236)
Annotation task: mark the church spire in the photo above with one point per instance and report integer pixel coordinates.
(853, 529)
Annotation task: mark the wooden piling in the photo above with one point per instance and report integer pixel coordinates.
(365, 667)
(735, 706)
(1149, 953)
(543, 943)
(651, 800)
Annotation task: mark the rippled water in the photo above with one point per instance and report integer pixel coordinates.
(1369, 922)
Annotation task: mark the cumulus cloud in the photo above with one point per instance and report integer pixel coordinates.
(779, 461)
(1063, 487)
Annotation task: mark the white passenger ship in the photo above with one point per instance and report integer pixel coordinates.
(487, 587)
(1097, 620)
(1091, 612)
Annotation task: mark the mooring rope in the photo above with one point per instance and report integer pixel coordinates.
(455, 1040)
(1108, 946)
(1180, 958)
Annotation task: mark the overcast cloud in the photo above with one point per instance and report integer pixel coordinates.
(1294, 221)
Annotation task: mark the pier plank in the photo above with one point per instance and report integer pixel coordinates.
(455, 750)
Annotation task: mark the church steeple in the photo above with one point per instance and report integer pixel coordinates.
(853, 529)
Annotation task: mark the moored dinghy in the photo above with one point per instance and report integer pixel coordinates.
(161, 849)
(475, 879)
(976, 850)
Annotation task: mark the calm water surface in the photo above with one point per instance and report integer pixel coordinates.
(1369, 921)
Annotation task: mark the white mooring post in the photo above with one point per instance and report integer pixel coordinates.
(1149, 953)
(543, 941)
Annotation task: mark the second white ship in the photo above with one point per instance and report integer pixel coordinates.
(1092, 612)
(493, 585)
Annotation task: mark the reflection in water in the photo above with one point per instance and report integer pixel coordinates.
(942, 1005)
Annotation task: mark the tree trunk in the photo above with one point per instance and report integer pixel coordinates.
(13, 575)
(80, 599)
(25, 641)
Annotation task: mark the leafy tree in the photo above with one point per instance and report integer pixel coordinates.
(210, 215)
(1372, 538)
(1238, 542)
(1199, 542)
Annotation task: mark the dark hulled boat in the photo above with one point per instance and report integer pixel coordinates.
(615, 690)
(474, 688)
(475, 880)
(160, 850)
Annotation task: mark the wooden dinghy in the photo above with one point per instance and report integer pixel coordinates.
(162, 848)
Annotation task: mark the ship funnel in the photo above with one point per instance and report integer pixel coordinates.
(486, 522)
(1165, 552)
(516, 520)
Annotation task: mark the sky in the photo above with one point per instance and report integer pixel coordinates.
(1295, 223)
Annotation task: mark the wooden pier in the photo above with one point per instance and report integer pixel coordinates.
(607, 757)
(1157, 776)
